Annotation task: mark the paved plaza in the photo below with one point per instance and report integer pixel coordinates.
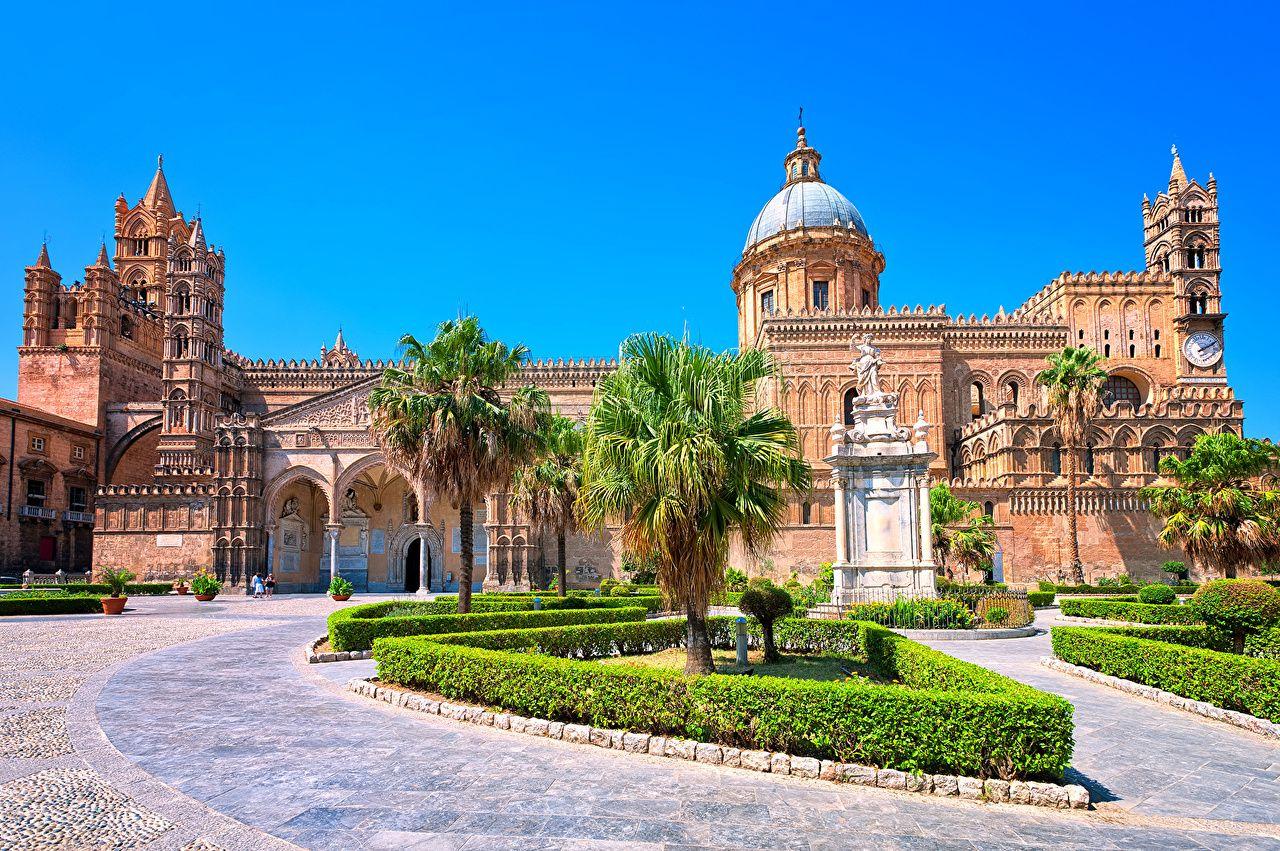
(186, 725)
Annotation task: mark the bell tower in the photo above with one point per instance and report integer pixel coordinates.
(1180, 230)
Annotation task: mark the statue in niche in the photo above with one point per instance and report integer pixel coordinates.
(290, 506)
(349, 500)
(867, 367)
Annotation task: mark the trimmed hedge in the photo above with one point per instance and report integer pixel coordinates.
(1112, 590)
(1116, 610)
(49, 604)
(941, 714)
(523, 602)
(1264, 644)
(1226, 680)
(356, 627)
(1039, 599)
(138, 589)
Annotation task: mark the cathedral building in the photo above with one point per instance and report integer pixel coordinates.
(198, 457)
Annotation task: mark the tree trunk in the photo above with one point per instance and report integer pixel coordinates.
(698, 658)
(1237, 642)
(1073, 530)
(560, 567)
(466, 545)
(770, 649)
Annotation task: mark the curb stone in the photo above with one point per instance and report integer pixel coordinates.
(313, 658)
(1051, 795)
(1252, 723)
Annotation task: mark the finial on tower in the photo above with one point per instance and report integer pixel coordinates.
(43, 260)
(800, 140)
(1177, 177)
(103, 259)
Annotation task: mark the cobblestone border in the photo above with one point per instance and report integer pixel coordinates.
(967, 634)
(313, 658)
(1052, 795)
(1252, 723)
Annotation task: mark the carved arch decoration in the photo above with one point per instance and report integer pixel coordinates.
(398, 551)
(117, 452)
(272, 494)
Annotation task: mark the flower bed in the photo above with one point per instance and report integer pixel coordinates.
(1119, 610)
(941, 714)
(356, 627)
(1177, 660)
(43, 603)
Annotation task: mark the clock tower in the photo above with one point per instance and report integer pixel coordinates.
(1181, 241)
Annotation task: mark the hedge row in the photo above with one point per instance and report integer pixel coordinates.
(56, 604)
(140, 589)
(1039, 599)
(1264, 644)
(1226, 680)
(1115, 610)
(356, 627)
(515, 602)
(1112, 590)
(941, 714)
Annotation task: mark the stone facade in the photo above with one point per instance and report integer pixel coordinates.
(206, 458)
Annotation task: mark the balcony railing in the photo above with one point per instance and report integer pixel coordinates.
(37, 511)
(78, 517)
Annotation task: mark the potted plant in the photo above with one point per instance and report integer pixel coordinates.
(340, 589)
(117, 580)
(204, 586)
(180, 585)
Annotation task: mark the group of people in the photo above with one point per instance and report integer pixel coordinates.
(263, 587)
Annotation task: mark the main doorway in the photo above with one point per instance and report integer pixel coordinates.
(412, 559)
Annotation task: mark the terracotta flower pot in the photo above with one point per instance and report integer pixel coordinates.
(204, 598)
(113, 605)
(341, 598)
(182, 589)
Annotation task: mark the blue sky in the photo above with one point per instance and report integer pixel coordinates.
(575, 173)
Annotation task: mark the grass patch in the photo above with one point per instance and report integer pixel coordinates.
(828, 669)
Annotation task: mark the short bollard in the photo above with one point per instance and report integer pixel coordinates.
(537, 604)
(742, 642)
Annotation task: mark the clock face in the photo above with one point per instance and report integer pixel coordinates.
(1203, 349)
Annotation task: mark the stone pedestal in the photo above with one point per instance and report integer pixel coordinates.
(880, 473)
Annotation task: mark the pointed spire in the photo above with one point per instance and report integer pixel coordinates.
(103, 260)
(196, 240)
(1177, 177)
(42, 262)
(158, 192)
(339, 344)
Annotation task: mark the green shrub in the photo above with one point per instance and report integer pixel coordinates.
(941, 715)
(1044, 585)
(734, 579)
(607, 585)
(767, 603)
(1227, 680)
(1157, 593)
(1040, 599)
(1017, 610)
(356, 627)
(50, 604)
(1117, 610)
(203, 582)
(915, 613)
(133, 589)
(117, 580)
(620, 590)
(1238, 606)
(995, 615)
(1263, 644)
(339, 587)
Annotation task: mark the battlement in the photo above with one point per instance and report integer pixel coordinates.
(184, 489)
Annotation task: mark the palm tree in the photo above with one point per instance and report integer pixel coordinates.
(546, 488)
(962, 535)
(1074, 380)
(1216, 512)
(441, 423)
(677, 456)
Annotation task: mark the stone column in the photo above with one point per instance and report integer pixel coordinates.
(842, 532)
(926, 523)
(271, 549)
(334, 531)
(424, 581)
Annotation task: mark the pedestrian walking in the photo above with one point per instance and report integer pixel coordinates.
(258, 587)
(271, 585)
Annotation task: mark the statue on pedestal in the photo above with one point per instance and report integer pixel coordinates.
(867, 367)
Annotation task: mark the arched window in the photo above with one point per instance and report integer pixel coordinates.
(126, 327)
(989, 508)
(1089, 461)
(1055, 459)
(1012, 389)
(1195, 258)
(806, 513)
(977, 404)
(850, 396)
(1199, 303)
(1117, 388)
(181, 344)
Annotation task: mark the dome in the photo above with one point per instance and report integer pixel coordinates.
(804, 204)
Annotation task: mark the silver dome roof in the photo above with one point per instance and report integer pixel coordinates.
(807, 203)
